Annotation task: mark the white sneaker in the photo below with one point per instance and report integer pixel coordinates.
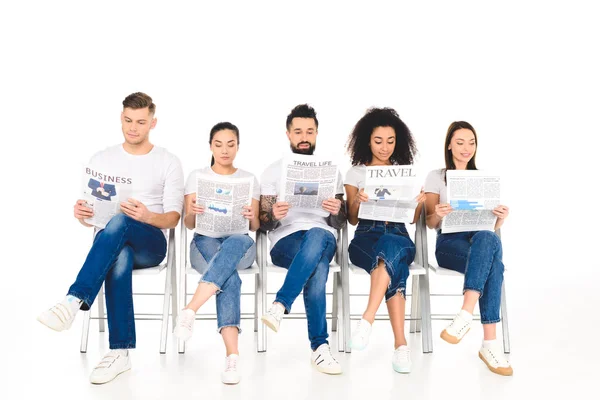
(324, 361)
(60, 317)
(458, 328)
(184, 327)
(401, 360)
(360, 336)
(273, 317)
(112, 364)
(493, 356)
(231, 375)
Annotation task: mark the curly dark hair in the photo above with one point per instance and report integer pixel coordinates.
(360, 138)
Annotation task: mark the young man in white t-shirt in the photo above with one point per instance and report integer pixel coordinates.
(303, 243)
(134, 238)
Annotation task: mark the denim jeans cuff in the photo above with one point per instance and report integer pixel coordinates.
(202, 280)
(401, 290)
(492, 321)
(115, 346)
(316, 345)
(86, 303)
(284, 304)
(473, 289)
(230, 326)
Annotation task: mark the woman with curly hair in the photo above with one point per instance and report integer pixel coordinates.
(381, 248)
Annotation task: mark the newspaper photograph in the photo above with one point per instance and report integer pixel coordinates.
(103, 192)
(223, 199)
(392, 191)
(307, 181)
(473, 195)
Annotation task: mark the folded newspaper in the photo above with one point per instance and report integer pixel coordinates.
(472, 194)
(307, 181)
(223, 199)
(392, 192)
(103, 193)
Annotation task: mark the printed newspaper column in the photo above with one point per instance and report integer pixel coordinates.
(392, 191)
(472, 194)
(103, 191)
(307, 181)
(223, 199)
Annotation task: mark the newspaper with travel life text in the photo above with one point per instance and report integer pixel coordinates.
(472, 194)
(103, 192)
(223, 199)
(392, 191)
(307, 181)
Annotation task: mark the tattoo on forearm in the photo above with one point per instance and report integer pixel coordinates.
(338, 221)
(267, 220)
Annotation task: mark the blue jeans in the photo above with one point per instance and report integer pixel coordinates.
(123, 245)
(478, 255)
(306, 255)
(389, 242)
(218, 260)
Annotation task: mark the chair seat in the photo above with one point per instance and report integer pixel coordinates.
(151, 270)
(414, 269)
(253, 270)
(333, 267)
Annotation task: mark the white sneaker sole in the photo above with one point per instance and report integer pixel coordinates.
(230, 381)
(270, 322)
(57, 328)
(452, 339)
(401, 370)
(182, 334)
(504, 371)
(328, 371)
(105, 379)
(354, 346)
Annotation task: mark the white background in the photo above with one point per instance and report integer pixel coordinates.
(525, 74)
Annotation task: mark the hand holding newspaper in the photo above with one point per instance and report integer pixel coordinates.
(103, 193)
(473, 195)
(392, 191)
(307, 181)
(223, 199)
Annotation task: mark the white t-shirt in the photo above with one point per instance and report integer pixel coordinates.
(434, 183)
(294, 221)
(190, 186)
(356, 176)
(156, 177)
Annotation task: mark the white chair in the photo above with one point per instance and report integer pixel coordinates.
(185, 268)
(335, 268)
(420, 306)
(440, 271)
(167, 265)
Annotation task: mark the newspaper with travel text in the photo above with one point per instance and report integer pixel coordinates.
(103, 192)
(392, 191)
(472, 194)
(223, 199)
(307, 181)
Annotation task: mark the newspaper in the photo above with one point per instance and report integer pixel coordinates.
(307, 181)
(472, 195)
(223, 199)
(392, 193)
(103, 193)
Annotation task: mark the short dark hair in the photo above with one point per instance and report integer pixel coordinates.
(220, 127)
(456, 125)
(358, 147)
(301, 111)
(138, 100)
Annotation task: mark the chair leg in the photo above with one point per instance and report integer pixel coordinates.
(165, 315)
(183, 301)
(425, 311)
(174, 294)
(256, 296)
(261, 332)
(504, 315)
(100, 302)
(334, 303)
(85, 331)
(414, 304)
(338, 293)
(346, 307)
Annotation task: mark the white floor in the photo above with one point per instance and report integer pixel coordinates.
(554, 355)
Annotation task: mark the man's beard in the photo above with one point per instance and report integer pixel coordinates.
(308, 151)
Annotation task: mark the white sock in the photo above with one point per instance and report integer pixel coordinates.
(73, 303)
(487, 344)
(467, 316)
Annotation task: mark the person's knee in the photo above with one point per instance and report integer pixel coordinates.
(117, 223)
(123, 263)
(244, 241)
(320, 235)
(487, 237)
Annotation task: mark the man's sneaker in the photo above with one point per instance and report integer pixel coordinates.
(324, 361)
(401, 360)
(273, 317)
(114, 363)
(458, 328)
(231, 374)
(360, 336)
(60, 317)
(185, 324)
(493, 357)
